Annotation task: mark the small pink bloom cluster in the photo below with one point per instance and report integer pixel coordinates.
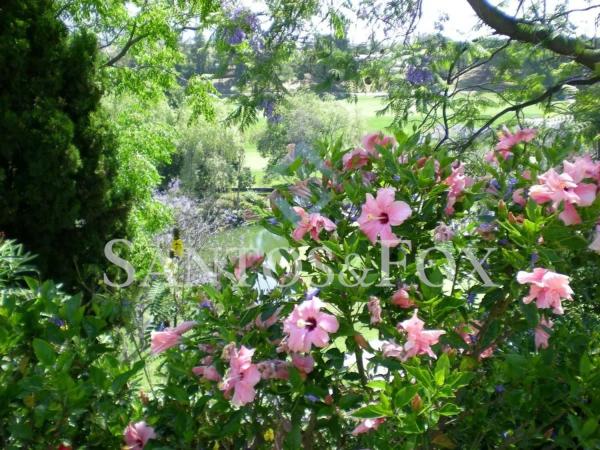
(250, 260)
(311, 223)
(508, 140)
(356, 159)
(241, 377)
(370, 142)
(443, 233)
(458, 182)
(169, 337)
(418, 341)
(568, 187)
(360, 157)
(137, 435)
(469, 334)
(207, 370)
(367, 425)
(374, 307)
(548, 289)
(402, 298)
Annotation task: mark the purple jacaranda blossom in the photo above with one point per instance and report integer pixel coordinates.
(237, 37)
(246, 17)
(471, 298)
(419, 75)
(311, 398)
(534, 259)
(269, 111)
(207, 304)
(57, 321)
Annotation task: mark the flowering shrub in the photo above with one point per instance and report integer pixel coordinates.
(420, 303)
(417, 304)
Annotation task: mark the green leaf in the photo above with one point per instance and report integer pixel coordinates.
(441, 369)
(405, 395)
(423, 376)
(350, 400)
(122, 379)
(589, 427)
(233, 424)
(449, 409)
(377, 384)
(372, 412)
(44, 352)
(585, 365)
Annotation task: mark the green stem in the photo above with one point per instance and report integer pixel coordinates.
(139, 352)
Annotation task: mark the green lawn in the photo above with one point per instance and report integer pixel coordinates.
(365, 108)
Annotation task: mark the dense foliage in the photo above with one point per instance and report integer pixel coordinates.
(63, 377)
(505, 349)
(424, 293)
(304, 119)
(57, 152)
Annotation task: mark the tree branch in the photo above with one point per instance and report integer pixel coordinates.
(534, 101)
(524, 31)
(571, 11)
(480, 63)
(130, 43)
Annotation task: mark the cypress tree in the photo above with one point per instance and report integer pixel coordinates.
(57, 153)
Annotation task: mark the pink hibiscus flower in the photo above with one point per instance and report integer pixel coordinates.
(183, 327)
(137, 435)
(169, 337)
(273, 369)
(458, 182)
(379, 214)
(242, 376)
(371, 141)
(307, 326)
(355, 159)
(562, 188)
(374, 307)
(209, 373)
(419, 340)
(518, 197)
(250, 260)
(163, 340)
(392, 350)
(541, 333)
(582, 167)
(311, 223)
(402, 299)
(508, 140)
(305, 364)
(547, 288)
(367, 425)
